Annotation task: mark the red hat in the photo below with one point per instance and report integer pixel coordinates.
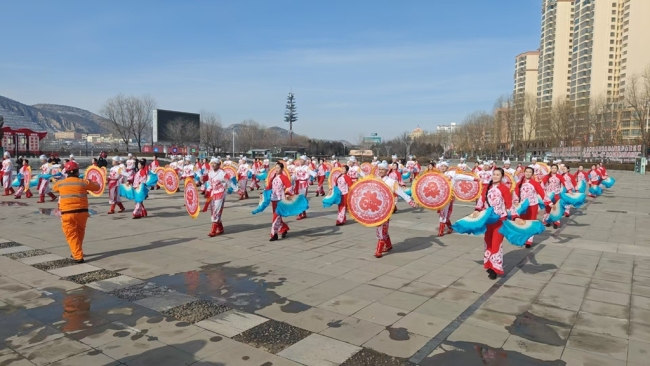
(70, 166)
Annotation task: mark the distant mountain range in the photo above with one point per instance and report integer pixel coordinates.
(55, 118)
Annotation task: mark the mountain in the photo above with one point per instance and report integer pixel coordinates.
(55, 118)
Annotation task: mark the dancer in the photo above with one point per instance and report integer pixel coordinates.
(140, 178)
(570, 185)
(242, 178)
(477, 166)
(343, 182)
(432, 166)
(374, 161)
(444, 214)
(280, 187)
(411, 168)
(257, 169)
(485, 175)
(581, 175)
(227, 162)
(44, 183)
(321, 172)
(498, 196)
(552, 183)
(335, 162)
(130, 168)
(301, 175)
(594, 182)
(527, 190)
(355, 171)
(7, 172)
(508, 169)
(462, 167)
(115, 177)
(383, 238)
(23, 184)
(219, 184)
(73, 205)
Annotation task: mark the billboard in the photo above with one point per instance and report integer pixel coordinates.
(163, 118)
(372, 139)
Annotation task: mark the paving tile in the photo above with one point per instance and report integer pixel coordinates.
(114, 283)
(397, 343)
(195, 311)
(316, 319)
(319, 350)
(602, 324)
(535, 350)
(164, 356)
(516, 293)
(599, 284)
(403, 300)
(440, 308)
(231, 322)
(422, 289)
(421, 324)
(54, 350)
(605, 309)
(474, 334)
(506, 306)
(608, 297)
(472, 285)
(439, 279)
(32, 337)
(127, 349)
(165, 301)
(203, 344)
(461, 297)
(100, 335)
(74, 270)
(562, 290)
(570, 280)
(641, 302)
(240, 353)
(352, 330)
(615, 277)
(563, 302)
(40, 259)
(93, 358)
(387, 281)
(641, 316)
(369, 292)
(639, 332)
(599, 344)
(16, 249)
(638, 352)
(380, 314)
(491, 320)
(579, 358)
(641, 290)
(14, 359)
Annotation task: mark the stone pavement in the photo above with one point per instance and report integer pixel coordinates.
(158, 291)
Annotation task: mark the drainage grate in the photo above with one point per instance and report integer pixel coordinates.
(616, 211)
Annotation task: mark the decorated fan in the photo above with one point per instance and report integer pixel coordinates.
(170, 181)
(582, 186)
(232, 164)
(370, 201)
(160, 172)
(292, 206)
(366, 168)
(544, 168)
(265, 201)
(191, 195)
(406, 175)
(575, 199)
(136, 195)
(608, 182)
(95, 174)
(476, 225)
(517, 234)
(152, 179)
(332, 199)
(595, 190)
(409, 192)
(431, 190)
(334, 175)
(261, 176)
(557, 211)
(466, 190)
(521, 208)
(540, 202)
(231, 172)
(510, 182)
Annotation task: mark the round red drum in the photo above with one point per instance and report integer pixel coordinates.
(370, 202)
(191, 195)
(160, 172)
(431, 190)
(96, 175)
(334, 175)
(170, 181)
(366, 168)
(467, 191)
(509, 181)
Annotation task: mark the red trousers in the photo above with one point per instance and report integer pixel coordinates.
(530, 214)
(493, 257)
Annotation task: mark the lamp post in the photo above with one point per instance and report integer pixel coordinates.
(233, 142)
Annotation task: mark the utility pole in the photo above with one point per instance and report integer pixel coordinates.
(233, 142)
(290, 115)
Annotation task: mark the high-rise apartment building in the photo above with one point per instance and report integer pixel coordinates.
(555, 51)
(525, 93)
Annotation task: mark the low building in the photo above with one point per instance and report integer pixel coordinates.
(68, 135)
(20, 135)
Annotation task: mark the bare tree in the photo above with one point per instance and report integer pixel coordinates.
(182, 132)
(212, 132)
(531, 119)
(250, 135)
(141, 108)
(121, 121)
(637, 98)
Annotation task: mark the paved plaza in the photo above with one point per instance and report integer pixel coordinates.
(158, 291)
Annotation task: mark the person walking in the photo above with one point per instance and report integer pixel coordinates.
(73, 204)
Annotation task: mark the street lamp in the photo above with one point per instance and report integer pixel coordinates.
(233, 142)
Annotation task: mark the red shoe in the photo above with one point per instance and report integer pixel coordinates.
(28, 194)
(112, 210)
(567, 215)
(6, 192)
(17, 197)
(52, 197)
(135, 217)
(449, 229)
(380, 248)
(220, 229)
(389, 245)
(41, 199)
(441, 229)
(301, 216)
(121, 206)
(213, 231)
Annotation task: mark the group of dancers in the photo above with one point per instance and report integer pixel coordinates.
(515, 194)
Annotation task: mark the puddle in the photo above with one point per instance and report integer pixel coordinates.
(13, 204)
(398, 334)
(470, 354)
(241, 288)
(56, 212)
(536, 329)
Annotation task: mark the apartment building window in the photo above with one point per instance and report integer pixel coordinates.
(611, 63)
(612, 34)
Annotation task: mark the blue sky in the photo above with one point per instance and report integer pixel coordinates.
(354, 66)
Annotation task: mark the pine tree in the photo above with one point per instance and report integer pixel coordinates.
(291, 115)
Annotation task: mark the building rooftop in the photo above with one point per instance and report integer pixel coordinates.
(16, 122)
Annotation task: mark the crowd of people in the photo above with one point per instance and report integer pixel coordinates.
(503, 189)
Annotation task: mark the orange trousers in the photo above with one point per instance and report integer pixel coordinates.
(74, 229)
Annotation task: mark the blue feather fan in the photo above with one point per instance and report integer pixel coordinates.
(518, 234)
(234, 181)
(332, 199)
(521, 208)
(262, 175)
(608, 182)
(265, 201)
(540, 203)
(595, 190)
(406, 175)
(557, 211)
(576, 199)
(292, 207)
(476, 225)
(582, 186)
(137, 195)
(152, 179)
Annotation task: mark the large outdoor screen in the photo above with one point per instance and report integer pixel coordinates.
(163, 118)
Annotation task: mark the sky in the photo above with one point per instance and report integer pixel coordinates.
(355, 67)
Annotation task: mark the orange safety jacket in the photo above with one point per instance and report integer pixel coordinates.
(74, 194)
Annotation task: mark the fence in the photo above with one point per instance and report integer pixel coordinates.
(621, 153)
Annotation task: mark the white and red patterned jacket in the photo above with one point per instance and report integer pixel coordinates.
(594, 177)
(355, 173)
(529, 189)
(242, 171)
(581, 176)
(500, 199)
(219, 182)
(485, 176)
(322, 170)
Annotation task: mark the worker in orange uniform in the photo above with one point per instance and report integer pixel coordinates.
(73, 204)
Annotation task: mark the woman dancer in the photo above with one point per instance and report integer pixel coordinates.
(23, 187)
(553, 183)
(344, 182)
(498, 196)
(219, 184)
(280, 186)
(140, 177)
(594, 179)
(527, 190)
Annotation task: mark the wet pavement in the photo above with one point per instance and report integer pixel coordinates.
(159, 291)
